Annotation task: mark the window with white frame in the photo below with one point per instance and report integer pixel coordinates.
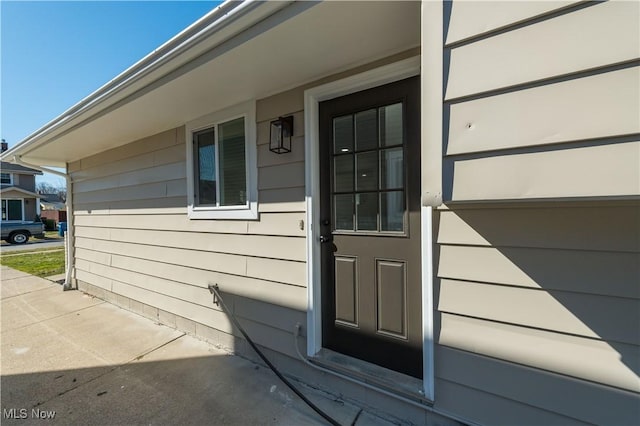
(6, 178)
(12, 209)
(221, 164)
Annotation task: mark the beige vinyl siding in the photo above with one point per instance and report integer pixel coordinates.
(525, 103)
(587, 171)
(134, 238)
(572, 42)
(470, 19)
(537, 247)
(550, 292)
(597, 106)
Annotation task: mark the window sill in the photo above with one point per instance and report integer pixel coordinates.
(239, 213)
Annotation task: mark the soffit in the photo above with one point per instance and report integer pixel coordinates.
(302, 47)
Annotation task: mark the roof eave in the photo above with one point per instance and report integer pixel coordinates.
(226, 15)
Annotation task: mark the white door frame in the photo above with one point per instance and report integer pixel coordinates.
(312, 97)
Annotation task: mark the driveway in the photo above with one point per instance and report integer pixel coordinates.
(33, 244)
(69, 358)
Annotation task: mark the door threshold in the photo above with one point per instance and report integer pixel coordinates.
(388, 380)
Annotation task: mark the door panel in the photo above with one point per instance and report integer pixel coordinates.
(391, 286)
(370, 222)
(346, 282)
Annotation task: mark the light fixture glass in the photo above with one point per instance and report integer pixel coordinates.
(281, 133)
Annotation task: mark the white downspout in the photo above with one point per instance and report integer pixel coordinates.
(69, 240)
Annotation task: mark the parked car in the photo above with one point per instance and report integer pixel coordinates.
(20, 232)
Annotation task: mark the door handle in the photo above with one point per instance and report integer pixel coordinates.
(325, 238)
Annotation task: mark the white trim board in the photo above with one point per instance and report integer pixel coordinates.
(312, 97)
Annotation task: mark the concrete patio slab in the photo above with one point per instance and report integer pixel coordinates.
(7, 273)
(189, 382)
(16, 282)
(37, 306)
(90, 362)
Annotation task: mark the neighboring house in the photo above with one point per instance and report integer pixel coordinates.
(19, 200)
(455, 227)
(53, 207)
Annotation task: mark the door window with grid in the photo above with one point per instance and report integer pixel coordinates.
(368, 186)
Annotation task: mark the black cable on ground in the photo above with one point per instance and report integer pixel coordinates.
(218, 300)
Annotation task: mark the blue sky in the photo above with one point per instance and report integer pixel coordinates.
(54, 53)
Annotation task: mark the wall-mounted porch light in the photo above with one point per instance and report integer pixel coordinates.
(281, 133)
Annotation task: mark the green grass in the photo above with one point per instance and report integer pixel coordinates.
(41, 263)
(52, 235)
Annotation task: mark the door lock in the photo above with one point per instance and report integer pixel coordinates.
(325, 238)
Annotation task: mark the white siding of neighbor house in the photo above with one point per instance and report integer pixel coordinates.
(538, 249)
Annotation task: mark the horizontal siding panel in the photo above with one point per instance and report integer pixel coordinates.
(133, 163)
(164, 285)
(269, 224)
(271, 201)
(289, 296)
(592, 37)
(289, 272)
(278, 270)
(93, 256)
(267, 158)
(282, 176)
(149, 144)
(138, 177)
(598, 228)
(93, 279)
(291, 224)
(603, 273)
(225, 263)
(274, 315)
(487, 409)
(282, 200)
(163, 223)
(272, 338)
(597, 361)
(177, 188)
(471, 18)
(595, 171)
(608, 318)
(153, 206)
(204, 315)
(598, 106)
(191, 284)
(250, 245)
(94, 233)
(589, 402)
(283, 103)
(138, 192)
